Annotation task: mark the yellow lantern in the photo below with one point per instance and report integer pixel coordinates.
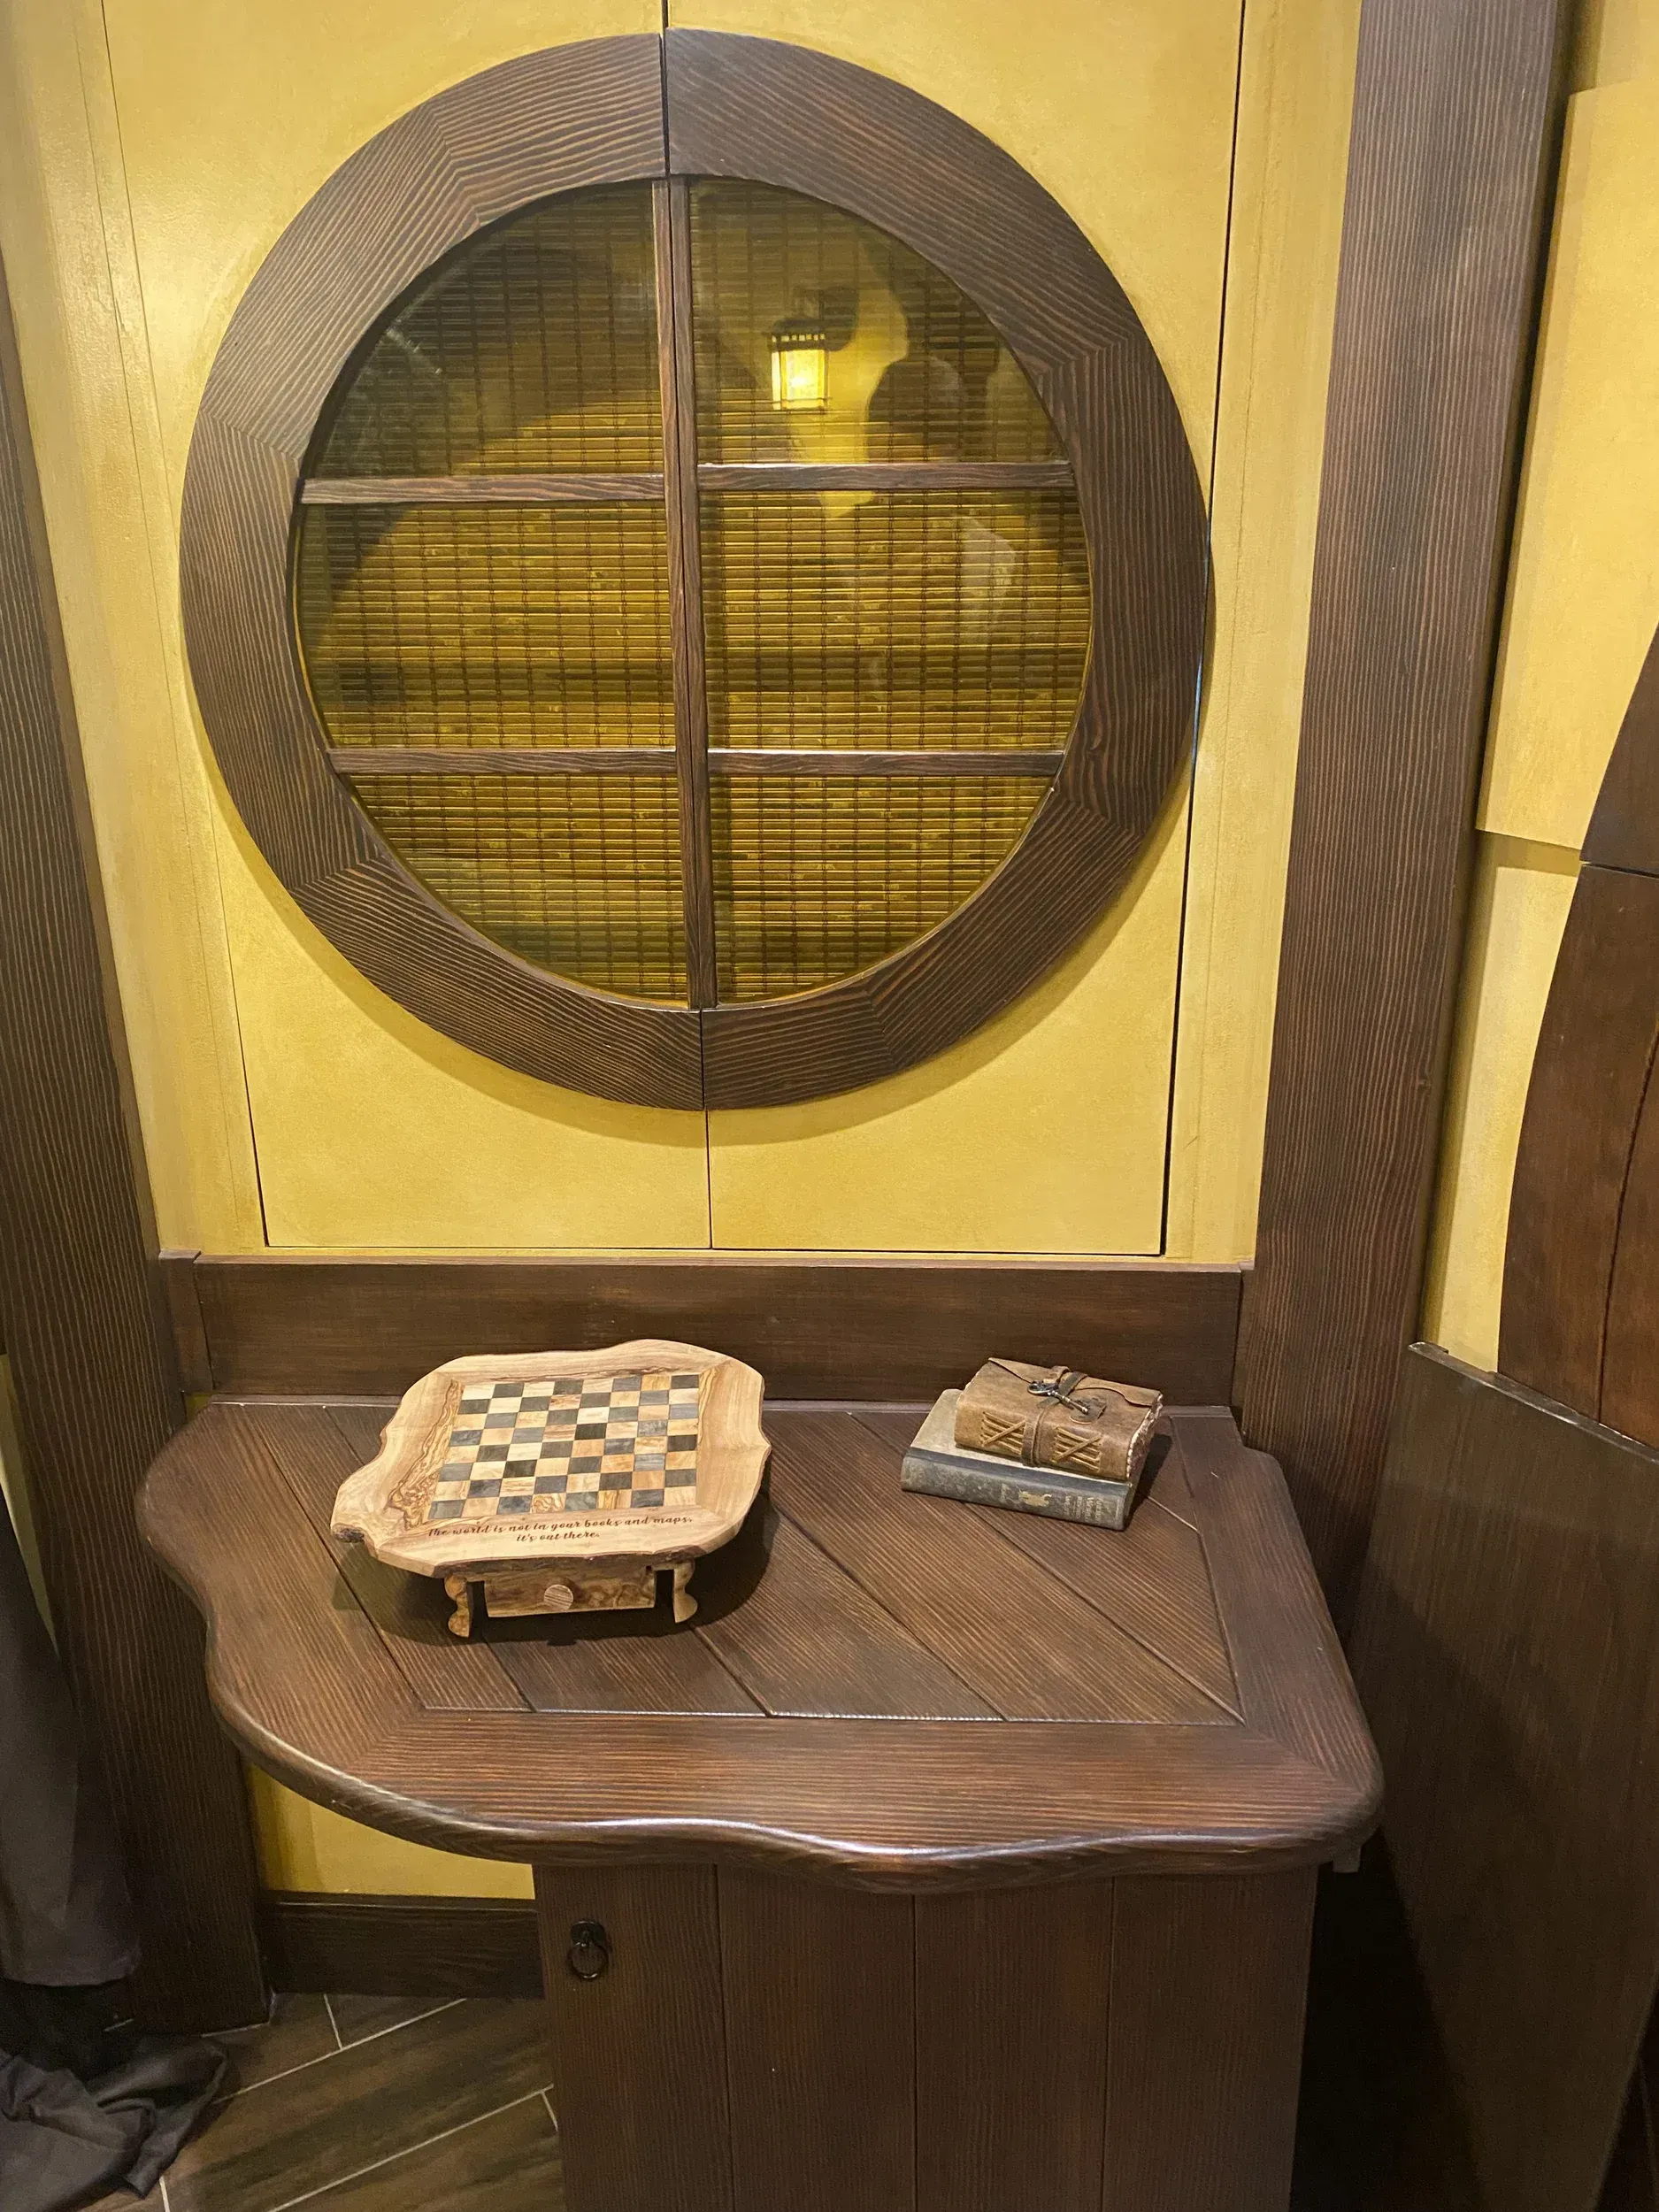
(800, 366)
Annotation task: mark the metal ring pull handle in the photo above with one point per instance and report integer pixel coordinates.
(589, 1953)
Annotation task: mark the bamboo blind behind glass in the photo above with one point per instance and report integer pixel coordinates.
(916, 371)
(487, 626)
(532, 348)
(578, 873)
(862, 617)
(818, 878)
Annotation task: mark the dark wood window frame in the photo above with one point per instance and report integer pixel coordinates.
(696, 104)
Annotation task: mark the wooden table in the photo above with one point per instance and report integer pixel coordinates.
(951, 1860)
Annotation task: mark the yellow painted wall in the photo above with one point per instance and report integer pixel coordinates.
(152, 150)
(1582, 605)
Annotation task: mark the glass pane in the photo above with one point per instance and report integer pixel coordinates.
(580, 874)
(820, 338)
(948, 620)
(816, 877)
(487, 626)
(532, 348)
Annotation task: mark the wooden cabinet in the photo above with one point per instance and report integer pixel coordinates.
(949, 1860)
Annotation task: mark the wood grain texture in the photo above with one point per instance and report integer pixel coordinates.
(1624, 830)
(730, 760)
(1590, 1078)
(869, 145)
(652, 2025)
(401, 1946)
(821, 1328)
(1629, 1373)
(1507, 1651)
(586, 113)
(504, 760)
(456, 2066)
(312, 1682)
(1456, 119)
(1208, 1980)
(676, 354)
(884, 476)
(819, 1989)
(657, 760)
(526, 490)
(1010, 2095)
(83, 1317)
(975, 1600)
(1156, 1588)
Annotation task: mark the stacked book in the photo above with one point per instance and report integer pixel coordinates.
(1037, 1439)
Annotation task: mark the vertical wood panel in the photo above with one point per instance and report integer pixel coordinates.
(1012, 2004)
(639, 2071)
(820, 2047)
(1507, 1652)
(1595, 1051)
(1208, 1981)
(676, 354)
(1630, 1371)
(81, 1315)
(1455, 122)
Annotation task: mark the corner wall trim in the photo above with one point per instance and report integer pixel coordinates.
(81, 1314)
(1457, 116)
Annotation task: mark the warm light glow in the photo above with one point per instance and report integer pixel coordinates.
(800, 367)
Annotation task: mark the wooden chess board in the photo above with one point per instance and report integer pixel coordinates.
(563, 1481)
(517, 1448)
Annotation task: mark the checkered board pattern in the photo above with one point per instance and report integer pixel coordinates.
(574, 1444)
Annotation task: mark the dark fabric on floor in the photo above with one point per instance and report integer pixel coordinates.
(62, 2141)
(65, 1913)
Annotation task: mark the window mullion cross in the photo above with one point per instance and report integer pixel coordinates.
(685, 581)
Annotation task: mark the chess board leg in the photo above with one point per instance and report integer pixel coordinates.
(460, 1589)
(685, 1604)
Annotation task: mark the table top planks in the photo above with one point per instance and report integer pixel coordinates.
(879, 1687)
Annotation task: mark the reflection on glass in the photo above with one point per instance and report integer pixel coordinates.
(818, 878)
(533, 347)
(580, 874)
(487, 626)
(912, 370)
(923, 618)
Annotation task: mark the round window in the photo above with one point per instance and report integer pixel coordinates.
(894, 592)
(740, 632)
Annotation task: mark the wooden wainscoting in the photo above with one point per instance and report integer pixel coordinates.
(401, 1946)
(337, 1324)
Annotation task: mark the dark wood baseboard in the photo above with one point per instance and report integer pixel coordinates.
(401, 1946)
(273, 1325)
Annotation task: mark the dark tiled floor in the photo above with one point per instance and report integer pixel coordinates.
(376, 2104)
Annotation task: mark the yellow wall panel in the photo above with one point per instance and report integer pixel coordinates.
(1518, 911)
(370, 1129)
(395, 1137)
(1044, 1132)
(1047, 1131)
(304, 1846)
(1296, 95)
(233, 112)
(67, 245)
(1584, 587)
